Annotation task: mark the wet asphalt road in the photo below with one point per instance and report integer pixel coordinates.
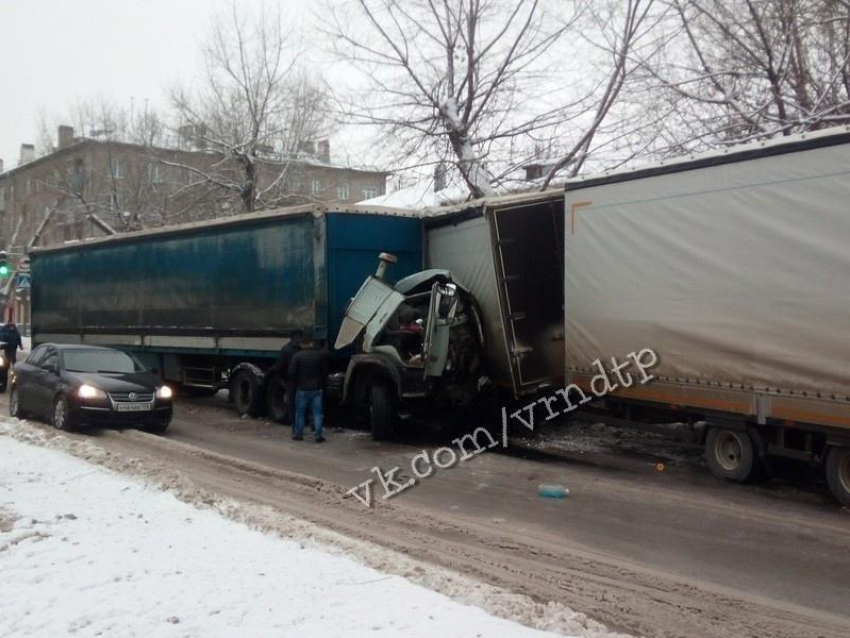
(785, 544)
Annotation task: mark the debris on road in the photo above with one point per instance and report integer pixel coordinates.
(553, 491)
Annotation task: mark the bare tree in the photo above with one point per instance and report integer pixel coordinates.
(753, 69)
(487, 82)
(113, 180)
(619, 31)
(101, 118)
(252, 109)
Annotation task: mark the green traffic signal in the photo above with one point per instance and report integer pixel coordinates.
(4, 270)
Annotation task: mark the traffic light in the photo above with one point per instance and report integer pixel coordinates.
(5, 269)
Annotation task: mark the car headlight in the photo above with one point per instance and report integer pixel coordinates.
(163, 392)
(90, 392)
(2, 362)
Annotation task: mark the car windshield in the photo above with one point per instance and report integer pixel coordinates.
(99, 361)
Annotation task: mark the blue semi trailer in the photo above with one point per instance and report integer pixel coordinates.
(209, 305)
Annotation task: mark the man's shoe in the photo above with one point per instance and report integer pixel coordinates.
(297, 437)
(321, 439)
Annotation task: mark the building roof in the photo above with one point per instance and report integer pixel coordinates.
(81, 142)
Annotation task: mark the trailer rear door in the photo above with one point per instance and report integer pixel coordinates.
(528, 241)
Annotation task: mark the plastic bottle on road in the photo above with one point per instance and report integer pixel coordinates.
(553, 491)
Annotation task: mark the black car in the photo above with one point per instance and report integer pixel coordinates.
(76, 385)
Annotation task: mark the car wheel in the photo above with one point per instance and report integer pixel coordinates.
(60, 417)
(383, 411)
(276, 399)
(15, 405)
(247, 394)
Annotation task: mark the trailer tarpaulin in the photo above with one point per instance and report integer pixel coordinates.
(734, 274)
(465, 249)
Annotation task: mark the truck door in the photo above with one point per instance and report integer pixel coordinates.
(441, 314)
(529, 248)
(370, 309)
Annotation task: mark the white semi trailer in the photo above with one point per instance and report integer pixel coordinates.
(734, 267)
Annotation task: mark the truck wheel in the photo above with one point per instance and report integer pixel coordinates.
(276, 399)
(248, 394)
(383, 411)
(730, 455)
(838, 473)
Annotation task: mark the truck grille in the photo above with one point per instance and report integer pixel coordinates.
(138, 397)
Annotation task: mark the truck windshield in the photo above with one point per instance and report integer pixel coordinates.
(99, 361)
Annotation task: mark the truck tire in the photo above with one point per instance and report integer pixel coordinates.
(730, 455)
(383, 411)
(838, 473)
(276, 399)
(248, 396)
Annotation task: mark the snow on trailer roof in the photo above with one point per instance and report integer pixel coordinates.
(492, 201)
(315, 210)
(739, 153)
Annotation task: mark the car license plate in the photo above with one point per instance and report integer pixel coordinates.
(133, 407)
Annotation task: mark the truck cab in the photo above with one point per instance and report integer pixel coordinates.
(419, 345)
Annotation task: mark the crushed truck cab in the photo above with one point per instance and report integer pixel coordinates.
(419, 343)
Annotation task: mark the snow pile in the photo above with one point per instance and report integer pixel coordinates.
(84, 551)
(420, 195)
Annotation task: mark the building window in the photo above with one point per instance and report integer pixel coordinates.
(155, 173)
(369, 192)
(115, 169)
(75, 178)
(342, 192)
(316, 186)
(113, 202)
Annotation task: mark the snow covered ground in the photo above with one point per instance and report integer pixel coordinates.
(85, 551)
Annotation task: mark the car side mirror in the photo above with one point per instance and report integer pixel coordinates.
(51, 368)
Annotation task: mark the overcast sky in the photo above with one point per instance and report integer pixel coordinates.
(54, 52)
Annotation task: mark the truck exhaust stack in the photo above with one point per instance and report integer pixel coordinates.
(384, 260)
